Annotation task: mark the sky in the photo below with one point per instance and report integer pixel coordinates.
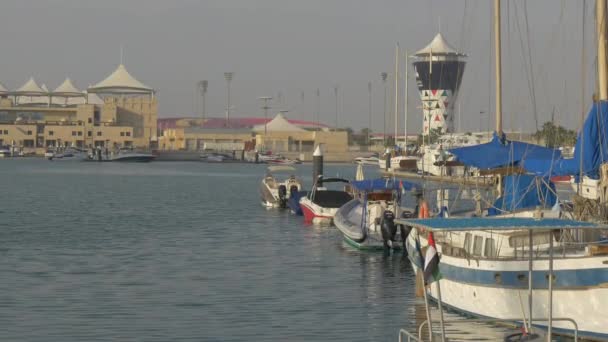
(293, 47)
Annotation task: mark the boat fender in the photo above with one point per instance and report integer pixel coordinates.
(283, 196)
(424, 210)
(388, 228)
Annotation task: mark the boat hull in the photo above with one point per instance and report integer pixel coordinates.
(315, 214)
(498, 289)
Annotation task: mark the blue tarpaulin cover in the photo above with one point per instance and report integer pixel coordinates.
(592, 148)
(383, 184)
(501, 152)
(524, 191)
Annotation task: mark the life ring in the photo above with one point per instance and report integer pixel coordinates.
(424, 210)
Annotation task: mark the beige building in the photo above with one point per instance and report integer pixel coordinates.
(278, 135)
(34, 118)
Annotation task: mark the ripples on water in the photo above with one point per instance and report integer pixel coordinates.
(182, 252)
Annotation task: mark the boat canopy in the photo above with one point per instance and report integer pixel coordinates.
(484, 223)
(524, 191)
(501, 152)
(591, 147)
(333, 180)
(383, 184)
(279, 168)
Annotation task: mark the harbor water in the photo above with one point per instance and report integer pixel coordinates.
(183, 251)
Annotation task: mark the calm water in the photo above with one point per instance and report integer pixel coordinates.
(182, 252)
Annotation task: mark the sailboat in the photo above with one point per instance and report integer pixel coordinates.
(488, 263)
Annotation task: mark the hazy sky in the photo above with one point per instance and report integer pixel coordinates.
(295, 46)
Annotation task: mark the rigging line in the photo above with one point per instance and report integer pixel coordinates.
(583, 81)
(530, 63)
(527, 68)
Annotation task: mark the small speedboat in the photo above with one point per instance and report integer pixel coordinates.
(275, 192)
(130, 155)
(69, 153)
(5, 151)
(367, 221)
(321, 204)
(372, 160)
(214, 157)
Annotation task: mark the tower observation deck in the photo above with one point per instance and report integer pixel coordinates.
(439, 69)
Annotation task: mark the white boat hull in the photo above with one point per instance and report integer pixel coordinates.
(499, 289)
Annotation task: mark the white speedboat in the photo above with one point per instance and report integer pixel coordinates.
(215, 157)
(404, 163)
(321, 204)
(485, 265)
(275, 192)
(69, 153)
(372, 160)
(5, 151)
(367, 221)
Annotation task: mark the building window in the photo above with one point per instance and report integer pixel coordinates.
(122, 134)
(73, 133)
(89, 133)
(90, 120)
(0, 132)
(99, 133)
(51, 133)
(128, 134)
(6, 131)
(79, 133)
(29, 132)
(28, 143)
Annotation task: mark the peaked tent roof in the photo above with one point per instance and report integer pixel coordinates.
(438, 46)
(3, 89)
(67, 89)
(30, 88)
(278, 124)
(120, 82)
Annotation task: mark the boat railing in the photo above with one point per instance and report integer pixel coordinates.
(409, 336)
(495, 320)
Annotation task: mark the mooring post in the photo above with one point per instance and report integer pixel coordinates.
(317, 164)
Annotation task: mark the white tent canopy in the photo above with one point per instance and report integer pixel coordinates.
(121, 82)
(30, 88)
(67, 89)
(3, 89)
(278, 124)
(438, 46)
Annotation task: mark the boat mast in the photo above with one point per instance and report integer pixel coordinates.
(405, 104)
(601, 49)
(396, 92)
(498, 66)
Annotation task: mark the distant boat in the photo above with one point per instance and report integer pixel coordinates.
(5, 151)
(275, 192)
(67, 154)
(321, 204)
(367, 221)
(215, 157)
(372, 160)
(278, 159)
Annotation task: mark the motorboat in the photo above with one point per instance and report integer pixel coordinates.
(278, 160)
(5, 151)
(215, 157)
(124, 154)
(274, 191)
(404, 163)
(321, 204)
(69, 153)
(367, 221)
(371, 160)
(294, 202)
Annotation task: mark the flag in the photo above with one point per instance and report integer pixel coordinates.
(431, 262)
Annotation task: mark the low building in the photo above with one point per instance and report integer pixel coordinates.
(118, 111)
(277, 135)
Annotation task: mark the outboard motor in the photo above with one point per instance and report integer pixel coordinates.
(405, 230)
(388, 228)
(283, 196)
(292, 190)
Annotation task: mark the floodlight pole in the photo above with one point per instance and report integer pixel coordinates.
(228, 77)
(384, 76)
(266, 107)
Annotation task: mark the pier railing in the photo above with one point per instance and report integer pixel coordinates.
(493, 320)
(409, 336)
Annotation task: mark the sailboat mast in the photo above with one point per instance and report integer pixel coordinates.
(405, 103)
(396, 92)
(497, 49)
(601, 49)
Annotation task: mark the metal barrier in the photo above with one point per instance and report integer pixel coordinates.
(410, 337)
(498, 320)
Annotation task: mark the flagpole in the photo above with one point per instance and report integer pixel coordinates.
(426, 306)
(440, 311)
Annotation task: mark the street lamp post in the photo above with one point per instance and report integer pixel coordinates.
(369, 127)
(228, 77)
(265, 107)
(202, 87)
(336, 96)
(384, 76)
